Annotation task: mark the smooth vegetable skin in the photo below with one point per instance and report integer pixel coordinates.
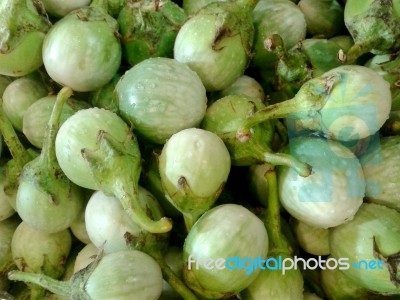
(159, 97)
(18, 96)
(382, 171)
(314, 240)
(92, 31)
(59, 9)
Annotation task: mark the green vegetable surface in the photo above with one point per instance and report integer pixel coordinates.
(199, 149)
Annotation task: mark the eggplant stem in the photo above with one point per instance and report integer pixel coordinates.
(274, 111)
(275, 44)
(311, 98)
(17, 150)
(123, 161)
(173, 280)
(395, 128)
(282, 159)
(130, 203)
(48, 153)
(61, 288)
(190, 219)
(247, 4)
(282, 132)
(99, 3)
(355, 52)
(37, 292)
(277, 240)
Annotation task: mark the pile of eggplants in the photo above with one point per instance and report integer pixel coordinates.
(213, 149)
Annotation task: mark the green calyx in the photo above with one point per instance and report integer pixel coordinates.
(94, 13)
(311, 98)
(76, 288)
(275, 17)
(29, 48)
(216, 43)
(191, 205)
(374, 26)
(113, 7)
(292, 66)
(44, 187)
(123, 160)
(194, 166)
(225, 116)
(391, 261)
(308, 59)
(125, 156)
(193, 284)
(17, 18)
(193, 6)
(231, 19)
(229, 115)
(12, 172)
(52, 190)
(23, 25)
(149, 28)
(73, 288)
(151, 180)
(81, 284)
